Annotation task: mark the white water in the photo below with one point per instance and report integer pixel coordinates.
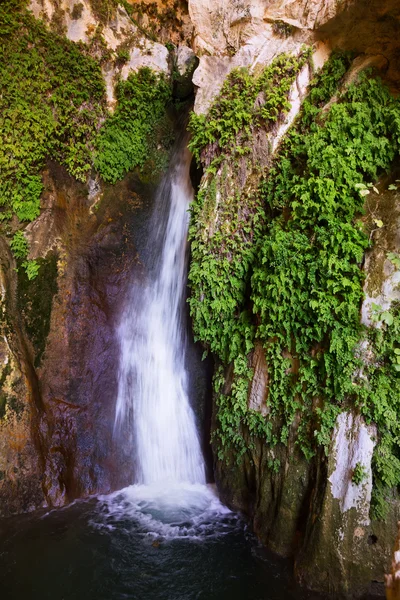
(153, 383)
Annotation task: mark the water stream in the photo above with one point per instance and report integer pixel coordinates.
(153, 382)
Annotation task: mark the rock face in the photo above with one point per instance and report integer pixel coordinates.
(229, 35)
(393, 579)
(58, 352)
(67, 372)
(317, 511)
(356, 551)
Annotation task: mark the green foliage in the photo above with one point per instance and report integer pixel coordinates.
(52, 97)
(282, 28)
(104, 10)
(124, 140)
(19, 245)
(20, 248)
(394, 259)
(359, 474)
(219, 274)
(301, 268)
(31, 268)
(123, 55)
(244, 104)
(221, 265)
(307, 285)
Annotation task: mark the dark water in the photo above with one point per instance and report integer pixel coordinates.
(129, 546)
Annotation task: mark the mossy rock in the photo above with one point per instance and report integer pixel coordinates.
(35, 300)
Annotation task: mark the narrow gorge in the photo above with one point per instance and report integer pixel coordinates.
(200, 305)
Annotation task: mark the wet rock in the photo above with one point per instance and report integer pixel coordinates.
(185, 64)
(393, 579)
(337, 555)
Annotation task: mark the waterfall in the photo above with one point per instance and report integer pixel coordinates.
(153, 398)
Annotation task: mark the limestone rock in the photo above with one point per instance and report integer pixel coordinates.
(258, 390)
(231, 35)
(343, 550)
(382, 276)
(151, 54)
(185, 63)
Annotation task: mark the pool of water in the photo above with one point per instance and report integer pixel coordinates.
(142, 543)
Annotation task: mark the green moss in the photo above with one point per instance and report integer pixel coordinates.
(35, 300)
(77, 11)
(104, 10)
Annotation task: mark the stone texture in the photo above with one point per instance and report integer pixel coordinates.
(353, 443)
(393, 579)
(342, 550)
(56, 436)
(312, 511)
(185, 63)
(21, 456)
(382, 277)
(258, 391)
(229, 35)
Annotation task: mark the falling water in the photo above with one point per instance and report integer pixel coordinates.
(153, 381)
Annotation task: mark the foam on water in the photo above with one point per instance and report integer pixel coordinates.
(190, 511)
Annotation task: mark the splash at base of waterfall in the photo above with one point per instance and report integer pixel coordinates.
(182, 510)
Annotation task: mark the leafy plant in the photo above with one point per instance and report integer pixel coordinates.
(360, 473)
(19, 245)
(394, 259)
(31, 268)
(379, 314)
(20, 248)
(124, 140)
(292, 252)
(51, 102)
(244, 104)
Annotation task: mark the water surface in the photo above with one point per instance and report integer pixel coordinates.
(142, 543)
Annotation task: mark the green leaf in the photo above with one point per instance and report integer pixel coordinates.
(387, 318)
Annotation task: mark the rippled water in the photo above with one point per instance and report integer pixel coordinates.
(142, 543)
